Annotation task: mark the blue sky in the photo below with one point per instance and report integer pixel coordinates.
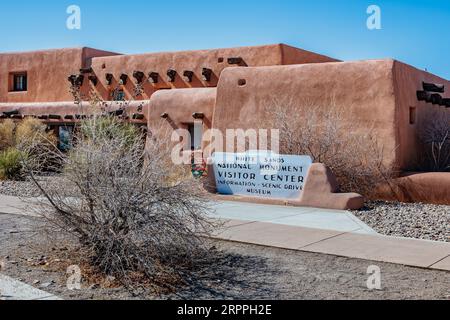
(413, 31)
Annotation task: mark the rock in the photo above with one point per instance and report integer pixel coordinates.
(36, 282)
(47, 284)
(94, 286)
(110, 278)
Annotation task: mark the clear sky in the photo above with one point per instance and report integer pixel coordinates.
(413, 31)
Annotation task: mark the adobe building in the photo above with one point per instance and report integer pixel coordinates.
(229, 89)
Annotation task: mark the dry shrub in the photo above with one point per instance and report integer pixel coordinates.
(7, 128)
(323, 132)
(32, 135)
(11, 164)
(32, 138)
(434, 134)
(129, 218)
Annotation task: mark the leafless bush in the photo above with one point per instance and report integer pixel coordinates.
(321, 131)
(131, 219)
(434, 133)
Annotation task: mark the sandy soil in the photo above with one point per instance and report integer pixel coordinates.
(243, 272)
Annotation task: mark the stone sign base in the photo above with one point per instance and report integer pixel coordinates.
(320, 191)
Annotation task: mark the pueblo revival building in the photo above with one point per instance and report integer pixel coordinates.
(228, 88)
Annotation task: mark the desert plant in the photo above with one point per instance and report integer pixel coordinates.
(130, 218)
(32, 138)
(321, 131)
(32, 134)
(28, 137)
(434, 134)
(7, 139)
(11, 164)
(109, 128)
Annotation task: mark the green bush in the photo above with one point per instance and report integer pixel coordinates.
(11, 164)
(109, 128)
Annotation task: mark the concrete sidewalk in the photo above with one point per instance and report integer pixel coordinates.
(11, 289)
(410, 252)
(13, 205)
(337, 220)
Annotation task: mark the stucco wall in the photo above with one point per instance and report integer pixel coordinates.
(180, 105)
(47, 73)
(364, 88)
(292, 55)
(193, 61)
(48, 70)
(408, 80)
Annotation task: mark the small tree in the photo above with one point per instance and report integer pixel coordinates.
(130, 218)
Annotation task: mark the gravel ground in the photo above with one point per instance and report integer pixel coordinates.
(24, 189)
(243, 272)
(411, 220)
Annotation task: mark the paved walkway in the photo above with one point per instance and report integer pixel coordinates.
(13, 205)
(332, 232)
(303, 217)
(337, 220)
(11, 289)
(410, 252)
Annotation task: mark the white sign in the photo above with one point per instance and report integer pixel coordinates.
(261, 174)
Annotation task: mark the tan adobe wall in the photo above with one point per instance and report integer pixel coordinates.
(48, 70)
(408, 80)
(195, 61)
(180, 105)
(293, 55)
(364, 88)
(47, 73)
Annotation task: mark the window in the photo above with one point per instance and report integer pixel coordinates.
(65, 137)
(19, 82)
